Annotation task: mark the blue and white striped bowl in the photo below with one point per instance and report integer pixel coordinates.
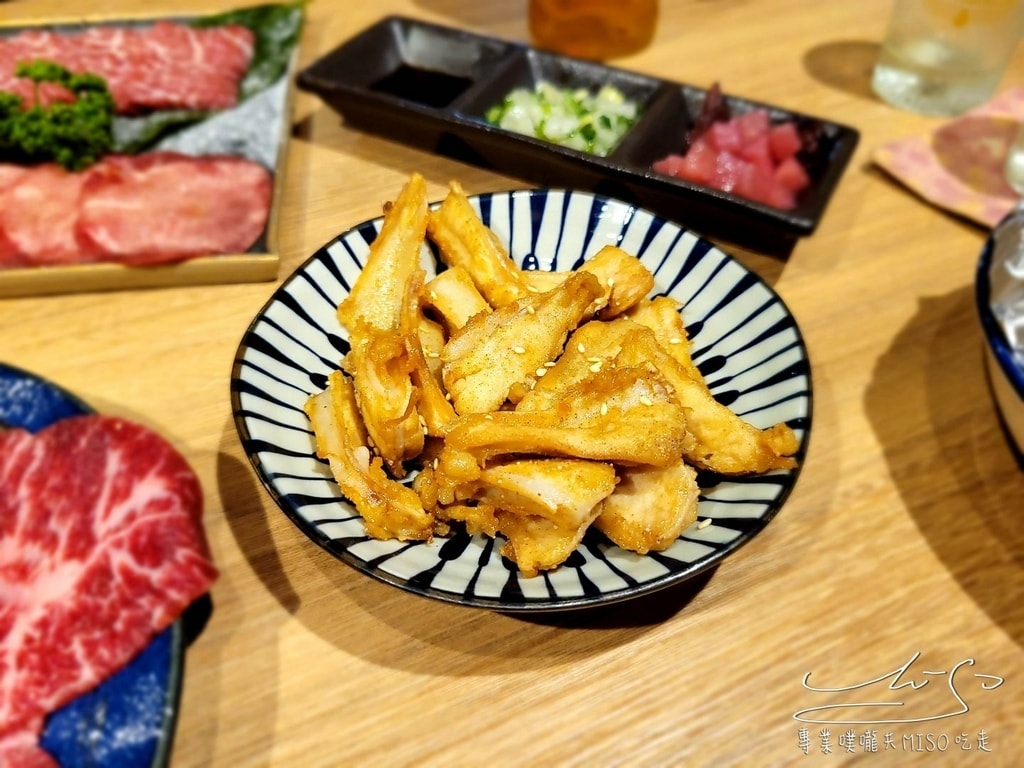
(744, 339)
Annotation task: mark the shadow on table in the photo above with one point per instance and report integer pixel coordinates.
(646, 610)
(949, 456)
(844, 65)
(239, 495)
(390, 627)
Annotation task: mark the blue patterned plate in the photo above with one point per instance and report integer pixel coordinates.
(744, 340)
(129, 719)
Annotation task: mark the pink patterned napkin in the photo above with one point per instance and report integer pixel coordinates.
(959, 166)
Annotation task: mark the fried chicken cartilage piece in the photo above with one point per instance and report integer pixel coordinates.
(496, 355)
(375, 315)
(590, 349)
(625, 416)
(378, 298)
(478, 518)
(560, 490)
(532, 542)
(722, 441)
(662, 315)
(465, 241)
(650, 507)
(624, 279)
(440, 482)
(537, 544)
(453, 296)
(542, 506)
(727, 444)
(389, 509)
(433, 409)
(432, 338)
(381, 371)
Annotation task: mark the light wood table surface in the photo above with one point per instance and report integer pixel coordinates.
(904, 535)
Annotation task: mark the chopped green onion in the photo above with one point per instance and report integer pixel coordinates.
(574, 118)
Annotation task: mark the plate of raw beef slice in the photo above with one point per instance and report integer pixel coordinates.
(195, 141)
(86, 680)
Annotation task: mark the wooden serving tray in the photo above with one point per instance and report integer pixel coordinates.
(260, 264)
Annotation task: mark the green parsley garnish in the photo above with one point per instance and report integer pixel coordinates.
(74, 134)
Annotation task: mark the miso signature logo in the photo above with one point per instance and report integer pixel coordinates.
(905, 686)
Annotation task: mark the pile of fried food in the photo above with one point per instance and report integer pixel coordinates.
(534, 403)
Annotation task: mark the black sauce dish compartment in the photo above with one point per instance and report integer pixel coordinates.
(431, 86)
(663, 129)
(539, 161)
(398, 77)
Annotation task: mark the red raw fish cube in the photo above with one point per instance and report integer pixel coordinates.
(791, 175)
(780, 197)
(746, 156)
(699, 163)
(725, 136)
(759, 184)
(729, 169)
(754, 182)
(784, 140)
(752, 125)
(758, 152)
(669, 165)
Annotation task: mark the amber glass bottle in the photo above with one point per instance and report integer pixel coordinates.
(593, 29)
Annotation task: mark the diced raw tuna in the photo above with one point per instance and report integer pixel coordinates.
(699, 163)
(725, 137)
(753, 125)
(744, 155)
(754, 182)
(791, 175)
(758, 152)
(778, 196)
(729, 169)
(784, 140)
(669, 165)
(765, 189)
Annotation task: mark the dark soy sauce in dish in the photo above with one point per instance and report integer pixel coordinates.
(429, 87)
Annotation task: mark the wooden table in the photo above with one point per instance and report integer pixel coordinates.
(904, 535)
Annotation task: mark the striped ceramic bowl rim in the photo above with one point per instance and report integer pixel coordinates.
(744, 338)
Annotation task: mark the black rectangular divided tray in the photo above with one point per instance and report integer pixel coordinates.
(429, 86)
